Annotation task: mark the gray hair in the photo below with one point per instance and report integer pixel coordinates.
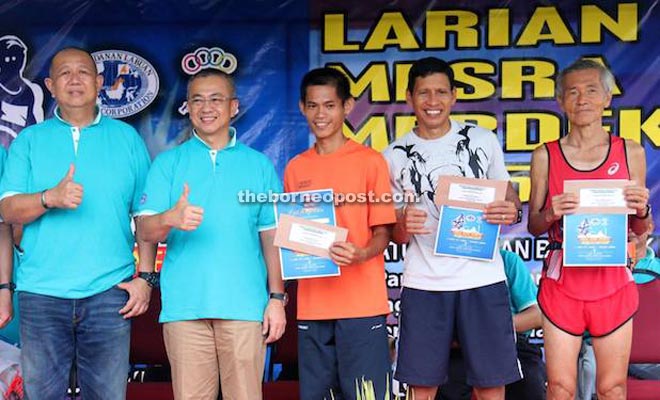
(606, 77)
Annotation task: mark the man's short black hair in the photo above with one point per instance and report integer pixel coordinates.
(326, 77)
(212, 72)
(428, 66)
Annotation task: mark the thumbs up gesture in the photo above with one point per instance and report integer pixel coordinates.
(185, 216)
(67, 193)
(414, 218)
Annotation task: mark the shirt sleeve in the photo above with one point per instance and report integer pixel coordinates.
(272, 184)
(395, 184)
(288, 178)
(381, 208)
(141, 164)
(521, 285)
(3, 157)
(17, 170)
(155, 198)
(497, 168)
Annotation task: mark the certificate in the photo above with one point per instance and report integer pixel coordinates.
(315, 207)
(469, 192)
(462, 229)
(595, 240)
(596, 235)
(305, 236)
(463, 232)
(600, 196)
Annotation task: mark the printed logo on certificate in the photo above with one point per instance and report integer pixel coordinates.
(463, 232)
(595, 240)
(306, 229)
(596, 235)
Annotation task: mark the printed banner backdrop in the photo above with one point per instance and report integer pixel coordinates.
(505, 54)
(505, 58)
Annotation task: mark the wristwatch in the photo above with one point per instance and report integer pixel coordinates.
(283, 297)
(519, 217)
(10, 285)
(646, 214)
(152, 278)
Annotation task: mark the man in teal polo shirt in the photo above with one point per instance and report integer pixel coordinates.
(220, 263)
(73, 182)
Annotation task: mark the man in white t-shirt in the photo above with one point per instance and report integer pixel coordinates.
(448, 298)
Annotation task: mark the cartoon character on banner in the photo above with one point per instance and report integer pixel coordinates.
(21, 101)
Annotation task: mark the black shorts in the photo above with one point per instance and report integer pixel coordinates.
(334, 356)
(480, 319)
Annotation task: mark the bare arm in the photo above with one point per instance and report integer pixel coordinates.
(637, 196)
(22, 208)
(529, 318)
(399, 233)
(25, 208)
(6, 272)
(274, 315)
(272, 259)
(154, 228)
(139, 291)
(537, 221)
(146, 255)
(183, 216)
(346, 253)
(512, 196)
(540, 219)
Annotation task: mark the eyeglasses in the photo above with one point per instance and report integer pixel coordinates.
(215, 101)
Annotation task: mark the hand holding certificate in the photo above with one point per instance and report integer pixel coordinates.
(603, 196)
(596, 234)
(462, 229)
(469, 192)
(305, 236)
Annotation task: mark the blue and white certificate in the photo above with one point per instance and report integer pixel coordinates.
(595, 240)
(317, 206)
(463, 232)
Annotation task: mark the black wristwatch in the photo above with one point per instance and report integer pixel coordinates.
(10, 285)
(519, 217)
(646, 214)
(152, 278)
(283, 297)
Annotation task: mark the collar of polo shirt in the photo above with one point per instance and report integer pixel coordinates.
(230, 144)
(96, 120)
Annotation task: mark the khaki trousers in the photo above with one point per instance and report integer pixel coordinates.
(201, 350)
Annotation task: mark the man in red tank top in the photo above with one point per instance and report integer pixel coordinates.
(600, 300)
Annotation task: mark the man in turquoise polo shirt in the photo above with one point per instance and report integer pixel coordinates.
(6, 263)
(220, 263)
(73, 182)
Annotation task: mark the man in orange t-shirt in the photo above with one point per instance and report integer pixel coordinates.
(341, 320)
